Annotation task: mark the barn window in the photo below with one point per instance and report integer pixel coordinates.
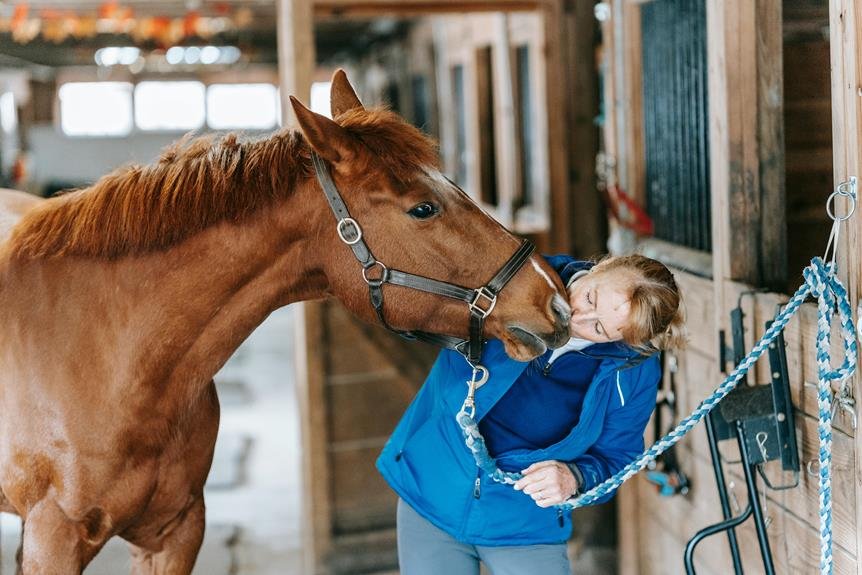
(170, 106)
(242, 106)
(96, 108)
(8, 113)
(676, 133)
(320, 102)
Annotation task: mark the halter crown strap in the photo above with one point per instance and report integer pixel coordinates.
(480, 301)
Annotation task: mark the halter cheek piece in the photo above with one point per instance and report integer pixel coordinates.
(480, 301)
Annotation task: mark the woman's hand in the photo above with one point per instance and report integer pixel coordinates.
(549, 483)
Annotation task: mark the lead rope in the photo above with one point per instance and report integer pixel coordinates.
(820, 282)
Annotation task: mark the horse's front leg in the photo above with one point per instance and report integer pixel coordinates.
(177, 549)
(54, 544)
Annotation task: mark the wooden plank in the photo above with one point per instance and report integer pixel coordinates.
(629, 541)
(506, 133)
(294, 29)
(361, 499)
(699, 305)
(295, 33)
(586, 219)
(635, 156)
(310, 346)
(744, 55)
(681, 257)
(354, 8)
(845, 25)
(561, 236)
(770, 145)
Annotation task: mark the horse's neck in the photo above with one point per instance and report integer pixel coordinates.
(228, 279)
(172, 318)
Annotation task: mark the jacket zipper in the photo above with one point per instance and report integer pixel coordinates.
(560, 519)
(547, 369)
(477, 492)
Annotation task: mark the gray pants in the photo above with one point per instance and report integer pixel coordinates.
(423, 549)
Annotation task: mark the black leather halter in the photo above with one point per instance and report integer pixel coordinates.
(480, 301)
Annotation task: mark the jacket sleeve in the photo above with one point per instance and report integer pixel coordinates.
(621, 439)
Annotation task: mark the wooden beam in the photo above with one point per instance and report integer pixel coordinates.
(557, 95)
(417, 7)
(311, 399)
(772, 255)
(746, 140)
(587, 222)
(296, 60)
(845, 26)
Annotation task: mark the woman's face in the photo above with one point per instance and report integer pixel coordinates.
(600, 306)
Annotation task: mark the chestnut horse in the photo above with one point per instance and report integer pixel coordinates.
(119, 302)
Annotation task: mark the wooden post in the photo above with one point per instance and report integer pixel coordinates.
(772, 261)
(296, 60)
(558, 162)
(295, 30)
(508, 166)
(378, 8)
(746, 144)
(845, 25)
(587, 222)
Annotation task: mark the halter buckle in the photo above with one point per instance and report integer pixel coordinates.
(349, 231)
(482, 294)
(378, 281)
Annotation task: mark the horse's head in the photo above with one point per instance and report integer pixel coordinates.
(415, 220)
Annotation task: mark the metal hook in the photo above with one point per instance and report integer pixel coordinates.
(762, 437)
(809, 470)
(846, 403)
(847, 190)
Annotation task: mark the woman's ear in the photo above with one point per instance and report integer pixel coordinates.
(331, 142)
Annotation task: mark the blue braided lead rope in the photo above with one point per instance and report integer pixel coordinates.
(820, 281)
(831, 293)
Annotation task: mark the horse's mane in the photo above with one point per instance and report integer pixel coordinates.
(197, 183)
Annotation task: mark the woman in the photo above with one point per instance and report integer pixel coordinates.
(568, 420)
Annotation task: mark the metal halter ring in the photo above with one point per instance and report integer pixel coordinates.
(483, 293)
(848, 190)
(345, 225)
(384, 274)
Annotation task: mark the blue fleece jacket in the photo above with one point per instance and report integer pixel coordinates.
(427, 463)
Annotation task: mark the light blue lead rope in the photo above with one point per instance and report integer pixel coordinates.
(821, 282)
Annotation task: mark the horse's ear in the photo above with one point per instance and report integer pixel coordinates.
(341, 95)
(331, 142)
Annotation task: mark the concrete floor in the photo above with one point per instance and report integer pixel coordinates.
(253, 493)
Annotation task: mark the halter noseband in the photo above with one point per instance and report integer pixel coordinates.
(480, 301)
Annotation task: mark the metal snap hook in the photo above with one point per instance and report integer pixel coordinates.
(483, 373)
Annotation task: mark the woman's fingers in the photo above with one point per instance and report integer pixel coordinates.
(547, 482)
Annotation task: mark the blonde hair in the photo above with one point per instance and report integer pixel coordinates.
(656, 319)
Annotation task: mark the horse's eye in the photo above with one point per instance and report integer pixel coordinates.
(423, 211)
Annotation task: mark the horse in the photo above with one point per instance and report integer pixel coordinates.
(120, 301)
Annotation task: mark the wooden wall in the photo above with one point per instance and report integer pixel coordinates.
(664, 524)
(773, 108)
